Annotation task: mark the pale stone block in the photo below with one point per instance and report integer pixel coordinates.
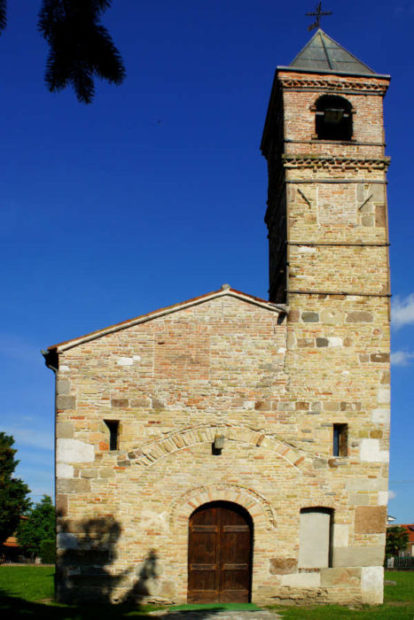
(372, 584)
(67, 541)
(358, 556)
(305, 249)
(370, 451)
(314, 539)
(335, 341)
(340, 535)
(64, 471)
(125, 361)
(64, 368)
(62, 386)
(301, 580)
(382, 498)
(384, 395)
(332, 317)
(74, 451)
(367, 484)
(380, 416)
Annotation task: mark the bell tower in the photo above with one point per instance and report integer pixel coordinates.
(328, 244)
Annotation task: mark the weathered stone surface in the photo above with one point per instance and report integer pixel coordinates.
(372, 585)
(73, 485)
(74, 451)
(367, 555)
(62, 386)
(282, 566)
(65, 402)
(340, 576)
(121, 403)
(370, 519)
(301, 580)
(380, 357)
(64, 471)
(310, 317)
(359, 317)
(370, 451)
(64, 430)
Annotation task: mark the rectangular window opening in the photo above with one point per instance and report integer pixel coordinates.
(340, 439)
(113, 427)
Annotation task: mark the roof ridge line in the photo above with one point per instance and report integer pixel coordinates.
(69, 344)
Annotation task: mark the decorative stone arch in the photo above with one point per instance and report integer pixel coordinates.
(150, 453)
(257, 506)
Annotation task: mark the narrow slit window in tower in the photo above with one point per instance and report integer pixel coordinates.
(113, 427)
(340, 439)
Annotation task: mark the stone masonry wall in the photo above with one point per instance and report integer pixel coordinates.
(173, 383)
(337, 288)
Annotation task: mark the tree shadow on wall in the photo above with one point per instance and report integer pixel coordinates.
(84, 566)
(87, 583)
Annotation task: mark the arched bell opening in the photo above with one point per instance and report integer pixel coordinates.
(333, 118)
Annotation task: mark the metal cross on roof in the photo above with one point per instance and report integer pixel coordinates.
(318, 13)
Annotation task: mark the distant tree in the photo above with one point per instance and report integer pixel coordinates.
(396, 540)
(38, 528)
(80, 48)
(14, 492)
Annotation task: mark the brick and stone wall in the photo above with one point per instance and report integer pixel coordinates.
(273, 380)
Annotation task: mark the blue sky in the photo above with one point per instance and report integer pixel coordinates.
(156, 192)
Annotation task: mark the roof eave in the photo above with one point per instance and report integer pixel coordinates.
(334, 72)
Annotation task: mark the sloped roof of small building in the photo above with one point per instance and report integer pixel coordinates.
(409, 527)
(223, 291)
(324, 55)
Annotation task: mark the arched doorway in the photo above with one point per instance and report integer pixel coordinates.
(220, 549)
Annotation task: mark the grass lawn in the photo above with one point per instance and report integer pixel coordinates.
(26, 592)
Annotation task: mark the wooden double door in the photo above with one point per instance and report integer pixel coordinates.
(220, 554)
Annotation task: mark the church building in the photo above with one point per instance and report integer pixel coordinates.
(230, 448)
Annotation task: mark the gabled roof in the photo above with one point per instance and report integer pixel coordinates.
(225, 290)
(324, 55)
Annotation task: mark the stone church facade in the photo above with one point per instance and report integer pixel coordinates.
(230, 448)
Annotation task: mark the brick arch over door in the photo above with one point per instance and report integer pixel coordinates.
(147, 455)
(257, 506)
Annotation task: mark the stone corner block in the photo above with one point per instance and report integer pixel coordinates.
(340, 576)
(370, 519)
(64, 401)
(74, 451)
(372, 585)
(349, 557)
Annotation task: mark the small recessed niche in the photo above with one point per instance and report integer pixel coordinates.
(218, 444)
(340, 439)
(113, 427)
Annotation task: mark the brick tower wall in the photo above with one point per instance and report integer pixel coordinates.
(328, 237)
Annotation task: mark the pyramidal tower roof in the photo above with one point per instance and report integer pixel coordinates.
(324, 55)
